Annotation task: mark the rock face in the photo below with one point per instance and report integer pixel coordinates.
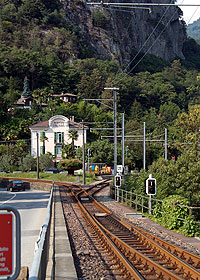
(119, 33)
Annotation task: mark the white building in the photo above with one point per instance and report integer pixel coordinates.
(56, 130)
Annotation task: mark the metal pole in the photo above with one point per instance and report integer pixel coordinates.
(83, 155)
(166, 143)
(123, 141)
(150, 204)
(115, 131)
(144, 149)
(88, 160)
(37, 155)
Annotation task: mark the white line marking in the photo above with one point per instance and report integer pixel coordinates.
(8, 199)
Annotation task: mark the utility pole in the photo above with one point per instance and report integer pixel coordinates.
(83, 154)
(144, 148)
(115, 131)
(88, 160)
(115, 127)
(166, 143)
(123, 141)
(37, 134)
(114, 122)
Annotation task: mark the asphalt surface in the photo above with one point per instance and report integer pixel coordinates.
(32, 206)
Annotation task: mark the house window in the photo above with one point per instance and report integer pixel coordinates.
(59, 137)
(58, 150)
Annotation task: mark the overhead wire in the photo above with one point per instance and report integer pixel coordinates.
(154, 43)
(192, 15)
(144, 44)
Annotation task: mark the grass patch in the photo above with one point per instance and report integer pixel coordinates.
(89, 178)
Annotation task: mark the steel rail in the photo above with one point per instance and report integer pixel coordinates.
(157, 269)
(186, 269)
(126, 267)
(136, 257)
(131, 254)
(186, 256)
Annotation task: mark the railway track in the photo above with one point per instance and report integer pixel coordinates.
(133, 253)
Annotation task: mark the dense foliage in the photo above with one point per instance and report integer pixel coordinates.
(42, 53)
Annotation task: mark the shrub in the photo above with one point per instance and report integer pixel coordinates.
(28, 163)
(70, 165)
(190, 227)
(100, 19)
(45, 161)
(172, 214)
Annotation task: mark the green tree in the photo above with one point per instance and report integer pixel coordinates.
(73, 136)
(68, 151)
(28, 163)
(26, 91)
(186, 130)
(70, 165)
(45, 161)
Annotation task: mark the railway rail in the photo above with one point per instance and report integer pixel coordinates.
(133, 253)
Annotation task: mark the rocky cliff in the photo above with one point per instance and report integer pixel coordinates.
(120, 32)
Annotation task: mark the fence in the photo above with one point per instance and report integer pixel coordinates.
(144, 203)
(39, 265)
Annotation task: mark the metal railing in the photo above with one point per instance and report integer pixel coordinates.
(39, 265)
(142, 203)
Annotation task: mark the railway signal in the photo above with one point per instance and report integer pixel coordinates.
(151, 187)
(118, 180)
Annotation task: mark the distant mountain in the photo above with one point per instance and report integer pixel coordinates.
(193, 30)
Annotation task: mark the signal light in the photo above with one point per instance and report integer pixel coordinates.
(117, 180)
(151, 187)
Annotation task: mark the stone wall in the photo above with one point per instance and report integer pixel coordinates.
(41, 186)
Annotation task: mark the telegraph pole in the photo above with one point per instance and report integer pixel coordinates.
(144, 148)
(88, 160)
(83, 154)
(123, 141)
(37, 134)
(166, 143)
(115, 126)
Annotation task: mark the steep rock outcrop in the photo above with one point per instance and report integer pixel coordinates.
(119, 33)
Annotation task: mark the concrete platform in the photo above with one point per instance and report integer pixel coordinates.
(63, 259)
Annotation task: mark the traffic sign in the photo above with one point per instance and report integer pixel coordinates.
(6, 244)
(10, 242)
(119, 169)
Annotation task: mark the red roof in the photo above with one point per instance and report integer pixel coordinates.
(45, 124)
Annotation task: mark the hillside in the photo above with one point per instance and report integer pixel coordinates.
(193, 30)
(74, 29)
(53, 47)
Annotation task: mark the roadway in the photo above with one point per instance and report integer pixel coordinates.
(32, 208)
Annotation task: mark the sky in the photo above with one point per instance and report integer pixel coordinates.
(188, 12)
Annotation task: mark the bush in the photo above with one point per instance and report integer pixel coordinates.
(172, 214)
(100, 19)
(70, 165)
(28, 163)
(45, 161)
(190, 227)
(6, 162)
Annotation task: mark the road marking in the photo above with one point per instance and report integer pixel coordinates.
(8, 199)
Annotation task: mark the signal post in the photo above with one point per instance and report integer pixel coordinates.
(151, 189)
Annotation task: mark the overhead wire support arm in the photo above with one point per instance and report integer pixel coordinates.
(140, 4)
